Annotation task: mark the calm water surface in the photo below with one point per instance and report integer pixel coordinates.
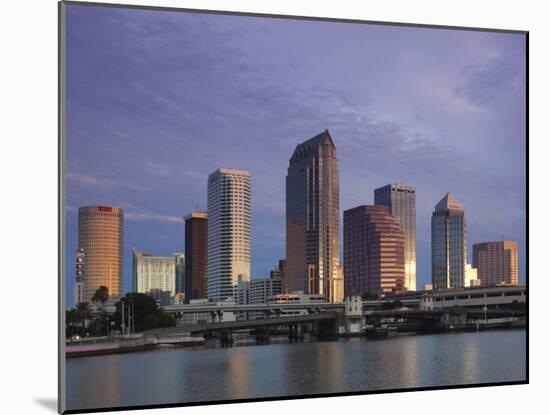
(184, 375)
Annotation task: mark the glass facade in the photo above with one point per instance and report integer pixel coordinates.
(401, 199)
(374, 251)
(448, 244)
(312, 220)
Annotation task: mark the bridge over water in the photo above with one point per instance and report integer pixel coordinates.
(245, 324)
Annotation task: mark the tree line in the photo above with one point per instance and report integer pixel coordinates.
(91, 318)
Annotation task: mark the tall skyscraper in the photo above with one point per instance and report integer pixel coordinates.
(312, 220)
(448, 244)
(496, 262)
(374, 251)
(154, 275)
(100, 240)
(196, 242)
(401, 199)
(229, 229)
(180, 272)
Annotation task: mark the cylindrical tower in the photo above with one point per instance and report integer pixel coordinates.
(100, 239)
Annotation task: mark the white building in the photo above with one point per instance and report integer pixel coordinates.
(154, 275)
(229, 228)
(470, 276)
(263, 288)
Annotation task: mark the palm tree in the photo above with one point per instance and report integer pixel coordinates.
(83, 312)
(101, 295)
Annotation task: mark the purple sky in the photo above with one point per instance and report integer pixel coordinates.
(158, 100)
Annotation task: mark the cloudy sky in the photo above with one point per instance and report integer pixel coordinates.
(158, 100)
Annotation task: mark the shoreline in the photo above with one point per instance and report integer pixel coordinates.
(123, 346)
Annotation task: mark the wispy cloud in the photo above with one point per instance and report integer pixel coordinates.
(151, 217)
(491, 75)
(86, 180)
(157, 101)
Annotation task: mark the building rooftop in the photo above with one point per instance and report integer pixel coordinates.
(201, 215)
(313, 143)
(449, 202)
(228, 170)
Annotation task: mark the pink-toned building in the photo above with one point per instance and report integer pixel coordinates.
(496, 262)
(100, 242)
(374, 251)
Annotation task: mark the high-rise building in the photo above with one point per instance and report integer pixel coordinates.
(155, 275)
(312, 220)
(100, 239)
(449, 255)
(180, 272)
(496, 262)
(196, 242)
(401, 199)
(374, 251)
(229, 230)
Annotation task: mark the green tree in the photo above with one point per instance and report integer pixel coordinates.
(83, 313)
(146, 313)
(101, 295)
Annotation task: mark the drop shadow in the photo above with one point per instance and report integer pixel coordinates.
(48, 403)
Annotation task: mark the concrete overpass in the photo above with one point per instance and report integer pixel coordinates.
(243, 324)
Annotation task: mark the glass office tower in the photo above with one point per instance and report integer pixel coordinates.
(374, 251)
(312, 220)
(401, 199)
(448, 244)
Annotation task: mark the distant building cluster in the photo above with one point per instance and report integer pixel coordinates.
(379, 244)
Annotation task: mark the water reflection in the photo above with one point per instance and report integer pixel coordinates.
(183, 375)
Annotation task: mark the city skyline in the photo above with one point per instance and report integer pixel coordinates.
(152, 150)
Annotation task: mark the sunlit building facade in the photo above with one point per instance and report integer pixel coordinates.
(374, 251)
(100, 240)
(229, 232)
(497, 262)
(449, 255)
(401, 199)
(155, 275)
(470, 276)
(312, 220)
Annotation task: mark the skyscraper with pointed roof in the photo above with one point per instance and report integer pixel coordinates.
(312, 220)
(448, 243)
